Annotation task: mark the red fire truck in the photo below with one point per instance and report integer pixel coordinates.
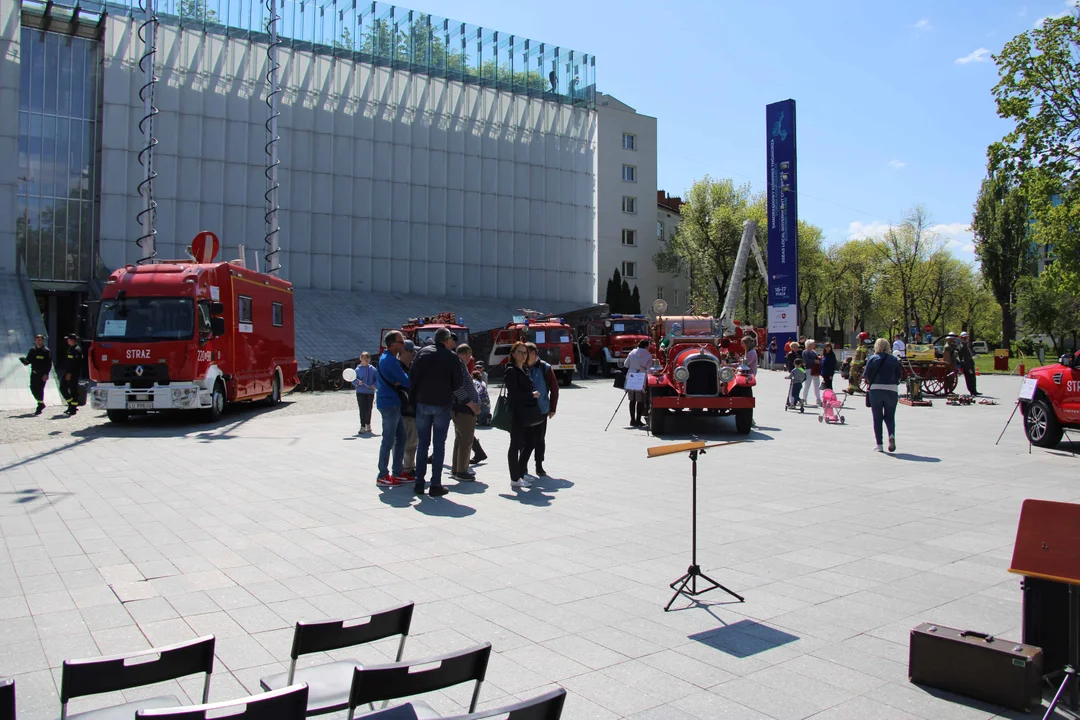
(421, 330)
(1054, 407)
(180, 335)
(612, 338)
(553, 338)
(694, 375)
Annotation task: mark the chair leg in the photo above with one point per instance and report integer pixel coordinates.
(401, 647)
(292, 671)
(475, 697)
(206, 690)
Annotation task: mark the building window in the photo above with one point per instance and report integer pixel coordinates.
(629, 237)
(629, 173)
(675, 299)
(629, 141)
(278, 314)
(629, 269)
(629, 204)
(659, 293)
(660, 231)
(243, 310)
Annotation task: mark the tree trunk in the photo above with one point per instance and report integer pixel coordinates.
(1008, 324)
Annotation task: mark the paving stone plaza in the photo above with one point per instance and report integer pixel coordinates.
(119, 538)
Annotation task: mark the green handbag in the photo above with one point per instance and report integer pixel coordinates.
(503, 415)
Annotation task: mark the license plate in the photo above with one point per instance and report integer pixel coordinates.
(140, 406)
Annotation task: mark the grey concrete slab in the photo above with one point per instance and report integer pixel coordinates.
(243, 528)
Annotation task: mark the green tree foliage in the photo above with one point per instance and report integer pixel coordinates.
(1039, 89)
(814, 275)
(635, 302)
(196, 10)
(904, 249)
(1050, 305)
(611, 297)
(345, 42)
(707, 242)
(1001, 225)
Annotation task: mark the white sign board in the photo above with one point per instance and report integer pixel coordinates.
(635, 382)
(783, 319)
(1027, 389)
(215, 293)
(115, 328)
(541, 337)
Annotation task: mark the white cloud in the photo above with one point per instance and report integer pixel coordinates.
(969, 248)
(980, 55)
(858, 230)
(1070, 5)
(923, 24)
(957, 236)
(897, 164)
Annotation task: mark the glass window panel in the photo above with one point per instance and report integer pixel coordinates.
(62, 159)
(63, 90)
(86, 240)
(88, 161)
(52, 59)
(33, 237)
(33, 186)
(75, 159)
(59, 223)
(26, 47)
(37, 69)
(22, 214)
(80, 79)
(24, 152)
(48, 155)
(45, 215)
(74, 242)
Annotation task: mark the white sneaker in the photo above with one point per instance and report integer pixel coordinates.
(522, 483)
(878, 448)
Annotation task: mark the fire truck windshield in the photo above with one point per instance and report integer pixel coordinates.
(142, 319)
(426, 335)
(629, 327)
(690, 327)
(548, 336)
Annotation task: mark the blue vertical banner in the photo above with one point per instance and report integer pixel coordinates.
(783, 234)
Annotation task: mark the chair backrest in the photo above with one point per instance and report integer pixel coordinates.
(120, 672)
(548, 706)
(325, 635)
(288, 703)
(7, 699)
(398, 680)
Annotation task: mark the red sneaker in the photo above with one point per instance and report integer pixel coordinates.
(407, 476)
(387, 481)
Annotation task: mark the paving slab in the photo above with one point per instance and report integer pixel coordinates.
(117, 538)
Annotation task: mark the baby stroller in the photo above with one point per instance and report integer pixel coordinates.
(831, 406)
(793, 403)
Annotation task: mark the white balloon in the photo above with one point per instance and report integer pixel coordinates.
(348, 374)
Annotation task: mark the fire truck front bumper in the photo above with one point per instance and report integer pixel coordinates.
(174, 396)
(724, 402)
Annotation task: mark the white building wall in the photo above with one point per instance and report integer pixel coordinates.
(10, 27)
(389, 180)
(675, 286)
(614, 119)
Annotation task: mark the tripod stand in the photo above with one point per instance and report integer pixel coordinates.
(1070, 675)
(687, 584)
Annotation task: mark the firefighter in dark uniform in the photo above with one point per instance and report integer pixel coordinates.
(40, 361)
(70, 371)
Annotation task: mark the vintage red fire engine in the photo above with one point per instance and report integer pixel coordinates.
(1055, 406)
(421, 330)
(553, 338)
(694, 376)
(612, 338)
(181, 335)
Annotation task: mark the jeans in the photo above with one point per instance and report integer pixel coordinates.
(410, 444)
(432, 424)
(393, 437)
(883, 407)
(584, 369)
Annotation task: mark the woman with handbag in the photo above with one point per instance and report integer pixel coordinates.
(522, 401)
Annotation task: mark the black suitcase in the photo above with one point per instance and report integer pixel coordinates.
(977, 665)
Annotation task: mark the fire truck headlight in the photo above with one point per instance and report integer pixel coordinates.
(568, 359)
(177, 394)
(682, 374)
(727, 374)
(99, 396)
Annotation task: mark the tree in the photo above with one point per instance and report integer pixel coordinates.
(1050, 305)
(903, 248)
(635, 302)
(1001, 225)
(813, 277)
(611, 297)
(624, 297)
(196, 10)
(346, 41)
(1039, 89)
(707, 242)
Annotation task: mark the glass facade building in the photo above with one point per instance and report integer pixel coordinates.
(58, 149)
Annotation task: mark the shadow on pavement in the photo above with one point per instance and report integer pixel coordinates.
(443, 507)
(179, 422)
(534, 496)
(914, 458)
(744, 638)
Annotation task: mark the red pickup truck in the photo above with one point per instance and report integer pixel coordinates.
(1056, 404)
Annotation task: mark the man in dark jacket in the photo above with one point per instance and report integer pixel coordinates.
(70, 372)
(545, 382)
(39, 358)
(435, 375)
(966, 361)
(464, 411)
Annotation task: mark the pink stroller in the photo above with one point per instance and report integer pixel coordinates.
(832, 407)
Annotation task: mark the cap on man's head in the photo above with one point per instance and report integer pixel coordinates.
(72, 336)
(409, 347)
(39, 335)
(963, 334)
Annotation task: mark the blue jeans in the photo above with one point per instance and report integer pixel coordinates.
(883, 407)
(431, 420)
(393, 436)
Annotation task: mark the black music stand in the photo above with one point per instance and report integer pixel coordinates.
(688, 584)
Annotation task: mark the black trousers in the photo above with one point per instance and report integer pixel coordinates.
(539, 445)
(826, 381)
(521, 446)
(69, 390)
(969, 379)
(37, 388)
(364, 401)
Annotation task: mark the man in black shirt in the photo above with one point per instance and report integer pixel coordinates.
(434, 376)
(40, 361)
(71, 369)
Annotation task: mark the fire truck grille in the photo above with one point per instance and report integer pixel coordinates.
(151, 373)
(703, 379)
(550, 355)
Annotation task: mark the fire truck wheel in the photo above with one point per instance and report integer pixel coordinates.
(275, 391)
(217, 404)
(1041, 425)
(605, 368)
(565, 378)
(744, 421)
(656, 421)
(117, 416)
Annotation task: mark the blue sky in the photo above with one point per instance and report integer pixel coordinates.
(893, 98)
